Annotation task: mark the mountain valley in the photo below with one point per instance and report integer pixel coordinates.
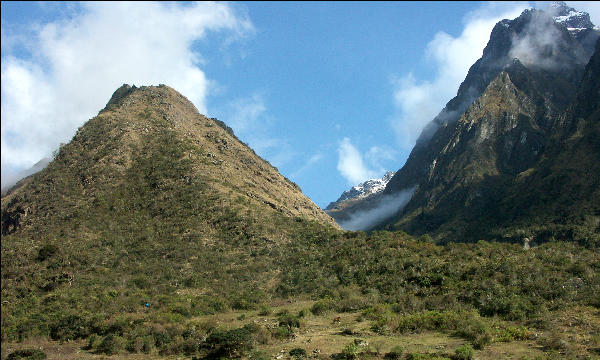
(156, 233)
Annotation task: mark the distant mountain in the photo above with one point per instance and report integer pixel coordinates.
(364, 189)
(361, 206)
(570, 18)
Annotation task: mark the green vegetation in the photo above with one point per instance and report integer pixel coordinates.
(132, 243)
(26, 354)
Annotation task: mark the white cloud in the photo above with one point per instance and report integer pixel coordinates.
(351, 164)
(244, 114)
(76, 64)
(419, 101)
(387, 206)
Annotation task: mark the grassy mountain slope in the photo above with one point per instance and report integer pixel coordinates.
(149, 198)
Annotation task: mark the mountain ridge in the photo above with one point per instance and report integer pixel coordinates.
(477, 162)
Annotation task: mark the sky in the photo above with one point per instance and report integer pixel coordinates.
(330, 93)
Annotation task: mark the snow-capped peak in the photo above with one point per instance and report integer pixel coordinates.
(572, 19)
(364, 189)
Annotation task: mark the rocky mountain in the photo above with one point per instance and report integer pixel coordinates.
(466, 172)
(507, 116)
(362, 190)
(570, 18)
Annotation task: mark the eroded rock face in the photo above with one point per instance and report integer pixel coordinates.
(471, 155)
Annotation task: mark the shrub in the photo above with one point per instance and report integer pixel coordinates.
(298, 353)
(289, 320)
(29, 354)
(111, 344)
(464, 352)
(350, 351)
(69, 327)
(322, 306)
(229, 344)
(282, 332)
(265, 311)
(46, 252)
(93, 342)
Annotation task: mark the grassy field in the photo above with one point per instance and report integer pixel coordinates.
(334, 334)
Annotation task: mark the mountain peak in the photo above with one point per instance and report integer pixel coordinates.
(364, 189)
(572, 19)
(151, 154)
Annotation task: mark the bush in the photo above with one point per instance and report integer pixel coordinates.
(93, 342)
(29, 354)
(298, 353)
(111, 344)
(289, 320)
(265, 311)
(282, 332)
(349, 352)
(464, 352)
(322, 306)
(46, 252)
(69, 327)
(229, 344)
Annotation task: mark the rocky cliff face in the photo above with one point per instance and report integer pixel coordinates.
(499, 128)
(502, 170)
(533, 36)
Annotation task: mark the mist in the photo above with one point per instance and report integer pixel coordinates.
(541, 45)
(10, 178)
(388, 206)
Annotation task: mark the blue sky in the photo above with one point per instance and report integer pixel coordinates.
(330, 93)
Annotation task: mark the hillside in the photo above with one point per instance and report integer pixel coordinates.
(120, 148)
(148, 198)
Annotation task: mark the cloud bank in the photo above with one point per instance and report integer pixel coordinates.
(75, 64)
(388, 206)
(418, 101)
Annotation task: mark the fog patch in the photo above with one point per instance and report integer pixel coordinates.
(541, 44)
(11, 178)
(388, 205)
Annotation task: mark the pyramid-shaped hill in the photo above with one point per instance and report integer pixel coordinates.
(150, 156)
(149, 202)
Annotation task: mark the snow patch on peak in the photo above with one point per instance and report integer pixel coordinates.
(364, 189)
(572, 19)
